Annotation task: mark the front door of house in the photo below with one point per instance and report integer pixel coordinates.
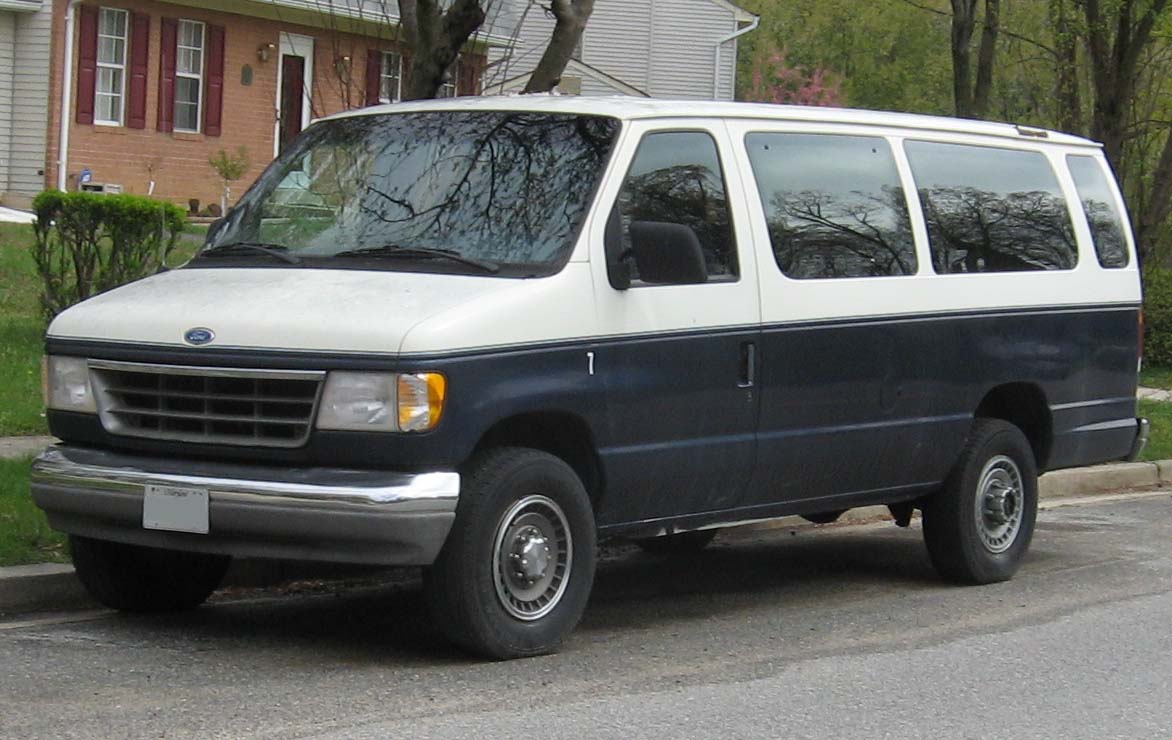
(292, 83)
(294, 89)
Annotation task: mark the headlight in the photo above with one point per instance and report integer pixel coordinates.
(384, 402)
(421, 401)
(67, 385)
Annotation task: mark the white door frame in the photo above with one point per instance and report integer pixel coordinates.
(294, 45)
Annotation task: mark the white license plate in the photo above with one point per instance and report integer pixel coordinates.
(175, 509)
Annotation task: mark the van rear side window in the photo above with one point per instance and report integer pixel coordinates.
(833, 204)
(1098, 204)
(991, 210)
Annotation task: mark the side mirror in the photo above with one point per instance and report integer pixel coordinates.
(667, 253)
(617, 269)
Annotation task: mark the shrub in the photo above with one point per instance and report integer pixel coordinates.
(88, 243)
(1158, 317)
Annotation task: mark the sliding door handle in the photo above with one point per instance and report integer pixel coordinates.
(748, 365)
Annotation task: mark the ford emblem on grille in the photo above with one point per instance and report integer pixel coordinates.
(199, 335)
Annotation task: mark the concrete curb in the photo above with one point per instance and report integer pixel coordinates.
(53, 587)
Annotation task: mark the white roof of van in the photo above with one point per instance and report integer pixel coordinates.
(631, 108)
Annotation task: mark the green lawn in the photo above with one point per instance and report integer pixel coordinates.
(1156, 377)
(21, 329)
(26, 537)
(1159, 413)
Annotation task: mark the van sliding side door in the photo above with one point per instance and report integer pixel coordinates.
(679, 310)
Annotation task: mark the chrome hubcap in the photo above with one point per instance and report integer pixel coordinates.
(532, 557)
(1000, 503)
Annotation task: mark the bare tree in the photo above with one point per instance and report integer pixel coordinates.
(1116, 38)
(972, 98)
(571, 16)
(1067, 91)
(435, 37)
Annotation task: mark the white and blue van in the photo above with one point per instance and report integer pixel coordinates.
(477, 335)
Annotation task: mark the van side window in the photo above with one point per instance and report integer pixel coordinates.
(991, 210)
(676, 185)
(1098, 204)
(834, 205)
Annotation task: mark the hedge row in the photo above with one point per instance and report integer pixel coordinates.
(88, 243)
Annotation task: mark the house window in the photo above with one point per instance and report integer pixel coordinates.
(390, 77)
(448, 89)
(189, 75)
(110, 90)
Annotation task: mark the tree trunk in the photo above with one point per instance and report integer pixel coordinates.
(963, 21)
(1114, 64)
(1066, 73)
(435, 37)
(985, 56)
(1159, 205)
(571, 18)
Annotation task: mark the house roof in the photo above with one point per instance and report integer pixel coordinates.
(575, 67)
(635, 108)
(21, 6)
(740, 14)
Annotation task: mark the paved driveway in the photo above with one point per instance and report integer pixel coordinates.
(832, 633)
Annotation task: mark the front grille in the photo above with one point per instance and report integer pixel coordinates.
(270, 408)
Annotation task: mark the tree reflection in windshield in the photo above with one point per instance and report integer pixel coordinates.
(506, 187)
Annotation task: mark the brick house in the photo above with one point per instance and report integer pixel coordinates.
(156, 88)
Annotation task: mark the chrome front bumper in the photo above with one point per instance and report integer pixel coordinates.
(1143, 429)
(354, 516)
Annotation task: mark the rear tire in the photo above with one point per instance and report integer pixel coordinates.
(516, 571)
(682, 543)
(978, 527)
(145, 579)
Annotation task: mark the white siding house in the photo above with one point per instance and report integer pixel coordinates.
(657, 48)
(24, 98)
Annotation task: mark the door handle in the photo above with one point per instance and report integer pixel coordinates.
(748, 365)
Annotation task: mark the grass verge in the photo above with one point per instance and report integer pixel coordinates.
(1156, 377)
(25, 536)
(1159, 413)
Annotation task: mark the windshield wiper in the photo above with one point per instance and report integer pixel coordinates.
(279, 251)
(392, 251)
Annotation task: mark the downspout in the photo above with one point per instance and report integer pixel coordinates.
(66, 99)
(719, 44)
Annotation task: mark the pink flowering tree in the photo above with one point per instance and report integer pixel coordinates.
(775, 80)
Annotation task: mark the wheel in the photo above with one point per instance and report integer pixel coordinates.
(145, 579)
(683, 543)
(515, 573)
(979, 525)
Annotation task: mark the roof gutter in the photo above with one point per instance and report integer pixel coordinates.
(66, 98)
(720, 44)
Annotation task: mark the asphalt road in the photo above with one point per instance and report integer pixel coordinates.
(836, 633)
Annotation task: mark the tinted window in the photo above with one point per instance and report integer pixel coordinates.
(833, 204)
(991, 210)
(676, 178)
(506, 187)
(1098, 203)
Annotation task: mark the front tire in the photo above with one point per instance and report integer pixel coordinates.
(978, 527)
(516, 571)
(133, 578)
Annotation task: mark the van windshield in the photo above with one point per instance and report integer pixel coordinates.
(482, 192)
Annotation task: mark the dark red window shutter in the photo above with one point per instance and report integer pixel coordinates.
(374, 69)
(87, 62)
(168, 39)
(213, 108)
(470, 74)
(140, 34)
